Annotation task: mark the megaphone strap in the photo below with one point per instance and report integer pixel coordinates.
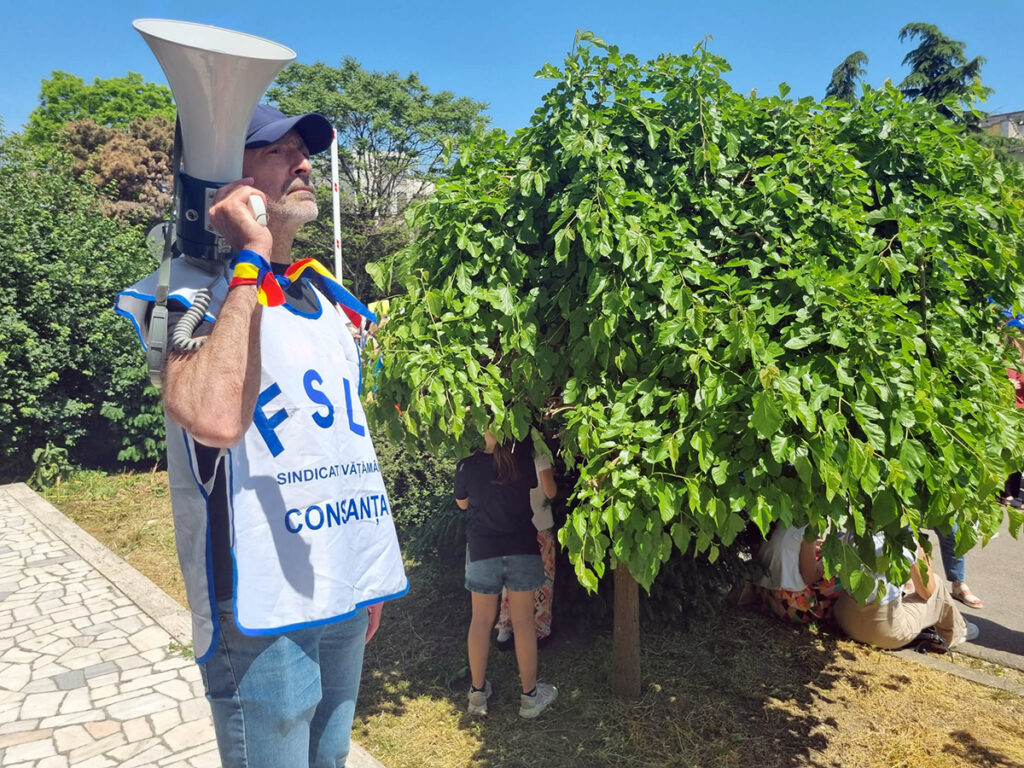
(250, 268)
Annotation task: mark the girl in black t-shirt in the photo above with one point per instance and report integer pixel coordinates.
(494, 486)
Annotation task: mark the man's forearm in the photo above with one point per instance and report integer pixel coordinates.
(212, 392)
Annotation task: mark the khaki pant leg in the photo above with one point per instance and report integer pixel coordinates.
(884, 626)
(939, 611)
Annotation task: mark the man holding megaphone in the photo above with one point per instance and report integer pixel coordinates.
(283, 524)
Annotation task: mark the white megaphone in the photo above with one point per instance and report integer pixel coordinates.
(217, 77)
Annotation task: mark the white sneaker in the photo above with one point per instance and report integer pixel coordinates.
(972, 632)
(544, 696)
(478, 699)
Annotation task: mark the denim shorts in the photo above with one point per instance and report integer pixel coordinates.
(517, 573)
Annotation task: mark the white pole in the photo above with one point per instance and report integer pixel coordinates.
(336, 198)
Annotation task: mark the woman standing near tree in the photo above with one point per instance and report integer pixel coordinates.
(494, 486)
(543, 521)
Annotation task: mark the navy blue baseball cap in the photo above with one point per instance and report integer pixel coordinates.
(269, 125)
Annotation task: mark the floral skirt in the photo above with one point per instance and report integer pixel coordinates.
(814, 603)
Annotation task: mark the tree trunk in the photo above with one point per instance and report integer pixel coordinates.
(626, 636)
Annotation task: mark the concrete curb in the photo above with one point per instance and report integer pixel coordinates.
(943, 664)
(152, 600)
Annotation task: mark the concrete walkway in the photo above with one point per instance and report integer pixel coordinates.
(89, 672)
(994, 574)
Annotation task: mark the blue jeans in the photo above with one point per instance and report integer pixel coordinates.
(517, 573)
(285, 700)
(953, 565)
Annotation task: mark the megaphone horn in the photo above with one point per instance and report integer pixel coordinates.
(217, 77)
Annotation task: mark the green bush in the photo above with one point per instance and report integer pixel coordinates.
(70, 372)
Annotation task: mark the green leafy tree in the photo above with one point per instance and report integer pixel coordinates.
(391, 133)
(114, 102)
(939, 69)
(70, 373)
(733, 310)
(843, 84)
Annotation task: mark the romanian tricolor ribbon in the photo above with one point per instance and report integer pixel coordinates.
(252, 269)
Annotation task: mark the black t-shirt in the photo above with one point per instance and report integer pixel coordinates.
(500, 519)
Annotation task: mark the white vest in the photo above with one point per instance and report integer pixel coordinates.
(312, 536)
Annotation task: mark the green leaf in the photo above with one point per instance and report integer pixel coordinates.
(767, 417)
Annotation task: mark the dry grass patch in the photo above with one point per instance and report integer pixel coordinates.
(731, 691)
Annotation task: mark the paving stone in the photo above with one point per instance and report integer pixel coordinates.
(57, 761)
(77, 700)
(176, 689)
(42, 704)
(47, 669)
(99, 761)
(33, 750)
(42, 685)
(17, 726)
(18, 656)
(210, 759)
(130, 750)
(165, 721)
(194, 709)
(104, 693)
(70, 680)
(14, 677)
(113, 654)
(187, 735)
(81, 756)
(137, 729)
(71, 718)
(71, 737)
(96, 671)
(23, 737)
(149, 758)
(103, 728)
(147, 704)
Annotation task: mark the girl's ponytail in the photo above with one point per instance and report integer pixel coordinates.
(504, 465)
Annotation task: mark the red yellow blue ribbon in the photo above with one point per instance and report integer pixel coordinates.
(250, 268)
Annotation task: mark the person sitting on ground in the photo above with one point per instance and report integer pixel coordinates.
(494, 486)
(793, 586)
(895, 615)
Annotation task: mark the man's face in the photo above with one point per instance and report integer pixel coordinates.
(282, 172)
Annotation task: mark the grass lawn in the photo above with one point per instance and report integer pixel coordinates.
(737, 690)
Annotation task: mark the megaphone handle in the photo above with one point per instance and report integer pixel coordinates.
(259, 209)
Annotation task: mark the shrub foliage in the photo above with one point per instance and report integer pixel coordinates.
(733, 309)
(70, 369)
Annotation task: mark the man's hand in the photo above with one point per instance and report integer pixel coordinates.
(375, 611)
(233, 219)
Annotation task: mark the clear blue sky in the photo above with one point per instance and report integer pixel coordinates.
(490, 51)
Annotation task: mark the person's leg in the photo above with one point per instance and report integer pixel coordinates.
(479, 638)
(263, 692)
(341, 666)
(544, 596)
(521, 608)
(939, 611)
(951, 564)
(884, 626)
(955, 570)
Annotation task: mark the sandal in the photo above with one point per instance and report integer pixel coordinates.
(960, 591)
